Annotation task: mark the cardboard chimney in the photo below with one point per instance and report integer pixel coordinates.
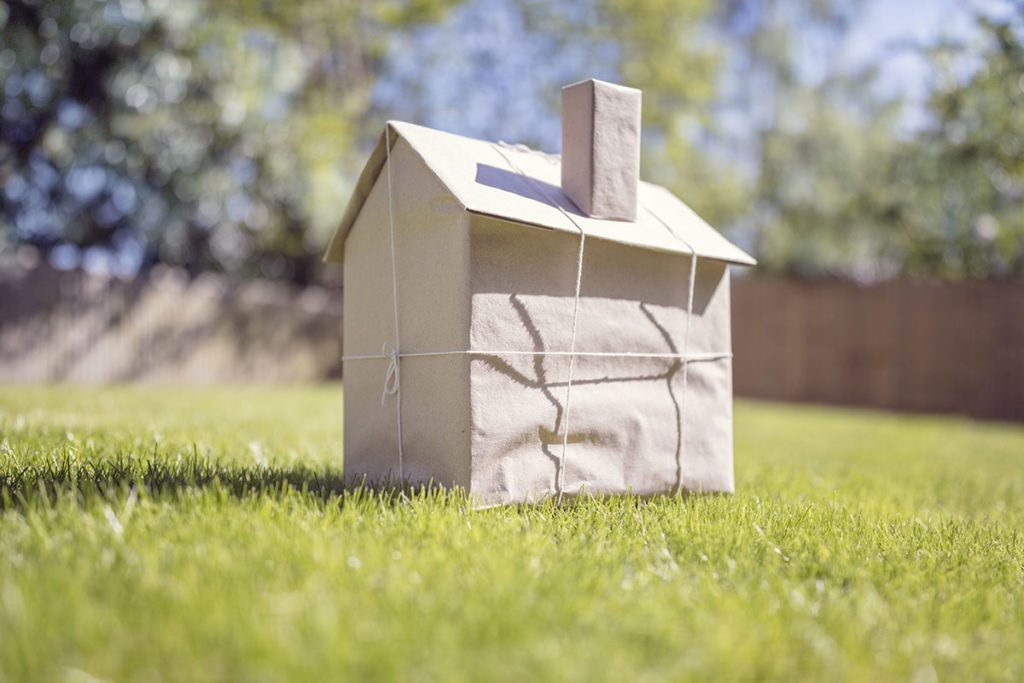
(485, 253)
(601, 148)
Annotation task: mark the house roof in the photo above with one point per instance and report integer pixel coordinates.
(524, 186)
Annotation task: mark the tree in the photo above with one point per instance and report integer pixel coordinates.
(839, 191)
(960, 183)
(187, 133)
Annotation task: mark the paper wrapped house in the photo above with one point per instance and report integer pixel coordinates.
(522, 325)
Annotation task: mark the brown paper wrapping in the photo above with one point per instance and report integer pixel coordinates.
(493, 423)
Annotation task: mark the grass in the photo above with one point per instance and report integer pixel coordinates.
(153, 534)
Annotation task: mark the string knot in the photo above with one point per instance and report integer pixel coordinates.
(391, 380)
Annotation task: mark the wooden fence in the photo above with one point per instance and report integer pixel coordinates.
(73, 327)
(899, 345)
(916, 346)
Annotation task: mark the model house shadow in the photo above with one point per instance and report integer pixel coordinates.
(169, 479)
(531, 188)
(550, 438)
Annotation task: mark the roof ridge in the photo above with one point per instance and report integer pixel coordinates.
(525, 149)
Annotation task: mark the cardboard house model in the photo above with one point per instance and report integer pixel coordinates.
(524, 325)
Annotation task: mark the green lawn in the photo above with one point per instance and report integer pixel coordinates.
(153, 534)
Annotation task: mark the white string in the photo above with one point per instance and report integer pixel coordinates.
(393, 379)
(389, 352)
(686, 371)
(686, 345)
(560, 477)
(692, 358)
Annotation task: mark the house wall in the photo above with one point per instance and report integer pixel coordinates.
(431, 253)
(626, 425)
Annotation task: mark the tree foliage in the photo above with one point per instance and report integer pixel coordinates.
(227, 135)
(211, 136)
(960, 186)
(839, 190)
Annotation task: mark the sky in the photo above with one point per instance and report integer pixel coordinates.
(495, 75)
(888, 28)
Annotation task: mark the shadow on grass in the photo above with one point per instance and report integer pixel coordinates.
(66, 477)
(21, 486)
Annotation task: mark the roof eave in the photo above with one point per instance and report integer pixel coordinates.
(744, 260)
(367, 178)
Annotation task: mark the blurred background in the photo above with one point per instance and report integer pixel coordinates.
(171, 171)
